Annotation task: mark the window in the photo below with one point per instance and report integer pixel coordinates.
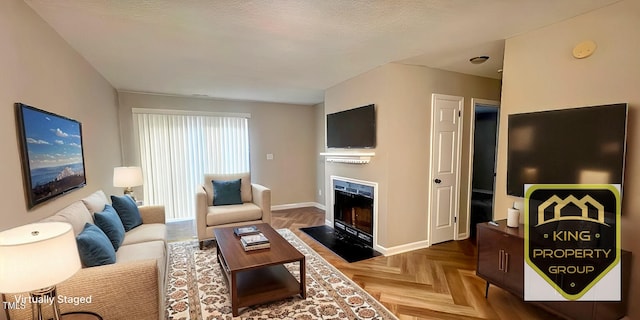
(178, 148)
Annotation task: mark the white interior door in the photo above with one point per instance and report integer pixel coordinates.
(446, 119)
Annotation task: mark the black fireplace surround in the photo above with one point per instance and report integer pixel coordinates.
(353, 210)
(352, 234)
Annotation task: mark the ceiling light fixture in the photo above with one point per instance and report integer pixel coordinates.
(479, 60)
(584, 49)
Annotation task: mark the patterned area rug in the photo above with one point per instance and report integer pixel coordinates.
(197, 289)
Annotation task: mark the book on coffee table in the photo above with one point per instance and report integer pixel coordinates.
(243, 231)
(254, 242)
(257, 247)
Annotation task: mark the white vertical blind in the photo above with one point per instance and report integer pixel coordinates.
(176, 150)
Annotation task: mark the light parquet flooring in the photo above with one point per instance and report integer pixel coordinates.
(438, 282)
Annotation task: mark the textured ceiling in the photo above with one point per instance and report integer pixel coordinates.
(288, 51)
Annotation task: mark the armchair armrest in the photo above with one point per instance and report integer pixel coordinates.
(262, 198)
(201, 213)
(116, 291)
(152, 214)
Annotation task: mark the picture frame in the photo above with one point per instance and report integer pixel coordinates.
(52, 154)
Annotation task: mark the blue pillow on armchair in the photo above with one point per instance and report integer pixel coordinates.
(127, 210)
(226, 192)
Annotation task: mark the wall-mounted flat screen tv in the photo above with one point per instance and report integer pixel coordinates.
(353, 128)
(569, 146)
(52, 156)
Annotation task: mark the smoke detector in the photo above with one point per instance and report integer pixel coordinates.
(584, 49)
(479, 59)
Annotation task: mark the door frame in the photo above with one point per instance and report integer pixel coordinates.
(472, 128)
(434, 96)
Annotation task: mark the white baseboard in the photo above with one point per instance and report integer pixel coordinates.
(462, 236)
(296, 206)
(402, 248)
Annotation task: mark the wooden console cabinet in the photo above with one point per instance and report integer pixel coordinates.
(501, 263)
(501, 256)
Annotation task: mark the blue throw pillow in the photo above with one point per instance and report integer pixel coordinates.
(127, 210)
(226, 192)
(94, 247)
(109, 222)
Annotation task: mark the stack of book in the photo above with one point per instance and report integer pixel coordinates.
(254, 242)
(243, 231)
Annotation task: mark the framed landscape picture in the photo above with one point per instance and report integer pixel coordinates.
(52, 156)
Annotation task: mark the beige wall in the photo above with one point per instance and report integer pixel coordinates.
(320, 128)
(402, 95)
(284, 130)
(40, 69)
(541, 74)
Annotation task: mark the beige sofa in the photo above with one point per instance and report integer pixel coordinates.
(255, 207)
(133, 287)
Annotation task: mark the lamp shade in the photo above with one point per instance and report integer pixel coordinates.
(125, 177)
(37, 256)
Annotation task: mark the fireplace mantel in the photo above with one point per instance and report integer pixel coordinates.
(348, 157)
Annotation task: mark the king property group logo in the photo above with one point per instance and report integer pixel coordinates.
(572, 242)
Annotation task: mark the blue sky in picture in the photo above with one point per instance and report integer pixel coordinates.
(52, 141)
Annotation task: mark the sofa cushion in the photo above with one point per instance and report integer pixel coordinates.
(142, 251)
(109, 222)
(76, 214)
(233, 213)
(245, 185)
(96, 201)
(156, 250)
(146, 232)
(226, 192)
(127, 210)
(94, 247)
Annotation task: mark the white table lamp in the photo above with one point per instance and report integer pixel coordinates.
(127, 177)
(35, 258)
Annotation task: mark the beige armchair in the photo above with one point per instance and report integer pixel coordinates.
(255, 207)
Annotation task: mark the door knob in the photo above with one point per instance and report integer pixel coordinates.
(437, 180)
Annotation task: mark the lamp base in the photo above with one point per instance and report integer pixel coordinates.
(43, 297)
(128, 191)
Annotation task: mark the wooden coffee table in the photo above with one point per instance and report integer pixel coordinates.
(259, 276)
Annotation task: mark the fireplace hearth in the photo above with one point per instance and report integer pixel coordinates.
(352, 235)
(340, 244)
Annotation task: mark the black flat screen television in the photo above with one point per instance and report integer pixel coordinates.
(568, 146)
(52, 156)
(354, 128)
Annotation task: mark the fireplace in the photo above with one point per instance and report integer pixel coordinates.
(353, 210)
(352, 236)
